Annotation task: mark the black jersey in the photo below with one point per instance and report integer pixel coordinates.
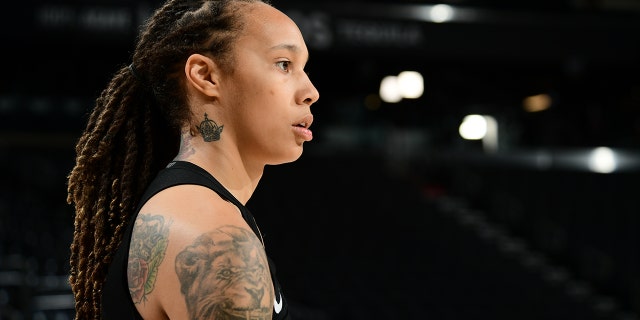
(116, 300)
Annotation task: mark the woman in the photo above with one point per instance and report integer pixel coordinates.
(173, 150)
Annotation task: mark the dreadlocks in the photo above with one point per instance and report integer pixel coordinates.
(133, 131)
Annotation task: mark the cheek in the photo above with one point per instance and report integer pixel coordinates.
(268, 104)
(264, 109)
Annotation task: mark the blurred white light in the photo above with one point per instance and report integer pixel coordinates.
(490, 139)
(473, 127)
(390, 90)
(410, 84)
(441, 13)
(602, 160)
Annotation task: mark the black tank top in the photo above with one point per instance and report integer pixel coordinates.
(116, 300)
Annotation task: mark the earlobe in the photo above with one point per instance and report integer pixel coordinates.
(202, 74)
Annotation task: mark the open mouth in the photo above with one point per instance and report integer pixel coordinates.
(304, 122)
(301, 128)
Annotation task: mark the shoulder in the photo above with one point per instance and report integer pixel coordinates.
(192, 255)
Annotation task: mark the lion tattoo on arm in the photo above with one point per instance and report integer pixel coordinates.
(224, 274)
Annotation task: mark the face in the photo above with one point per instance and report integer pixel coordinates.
(268, 95)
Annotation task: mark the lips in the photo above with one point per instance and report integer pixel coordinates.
(304, 122)
(301, 128)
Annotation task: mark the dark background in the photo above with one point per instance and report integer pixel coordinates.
(389, 214)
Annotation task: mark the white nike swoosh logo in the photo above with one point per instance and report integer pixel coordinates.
(277, 306)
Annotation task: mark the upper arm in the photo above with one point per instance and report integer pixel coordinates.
(213, 266)
(224, 274)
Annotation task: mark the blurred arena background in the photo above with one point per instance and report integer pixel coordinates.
(503, 187)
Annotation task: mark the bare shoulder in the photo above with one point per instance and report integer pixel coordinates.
(192, 256)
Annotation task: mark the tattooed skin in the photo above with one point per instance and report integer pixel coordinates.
(148, 246)
(224, 275)
(186, 148)
(209, 129)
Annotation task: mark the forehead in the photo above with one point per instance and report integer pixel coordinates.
(269, 27)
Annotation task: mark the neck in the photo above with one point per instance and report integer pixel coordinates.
(223, 161)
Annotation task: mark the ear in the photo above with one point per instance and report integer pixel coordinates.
(203, 74)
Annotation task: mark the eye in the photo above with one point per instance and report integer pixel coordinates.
(225, 274)
(283, 65)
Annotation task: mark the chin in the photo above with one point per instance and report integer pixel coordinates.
(290, 157)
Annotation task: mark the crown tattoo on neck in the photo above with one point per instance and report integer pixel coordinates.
(209, 129)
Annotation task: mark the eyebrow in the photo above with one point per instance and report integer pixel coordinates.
(286, 46)
(289, 47)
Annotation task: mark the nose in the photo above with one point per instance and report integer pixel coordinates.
(309, 94)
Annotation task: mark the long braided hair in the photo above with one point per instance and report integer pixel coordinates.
(133, 131)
